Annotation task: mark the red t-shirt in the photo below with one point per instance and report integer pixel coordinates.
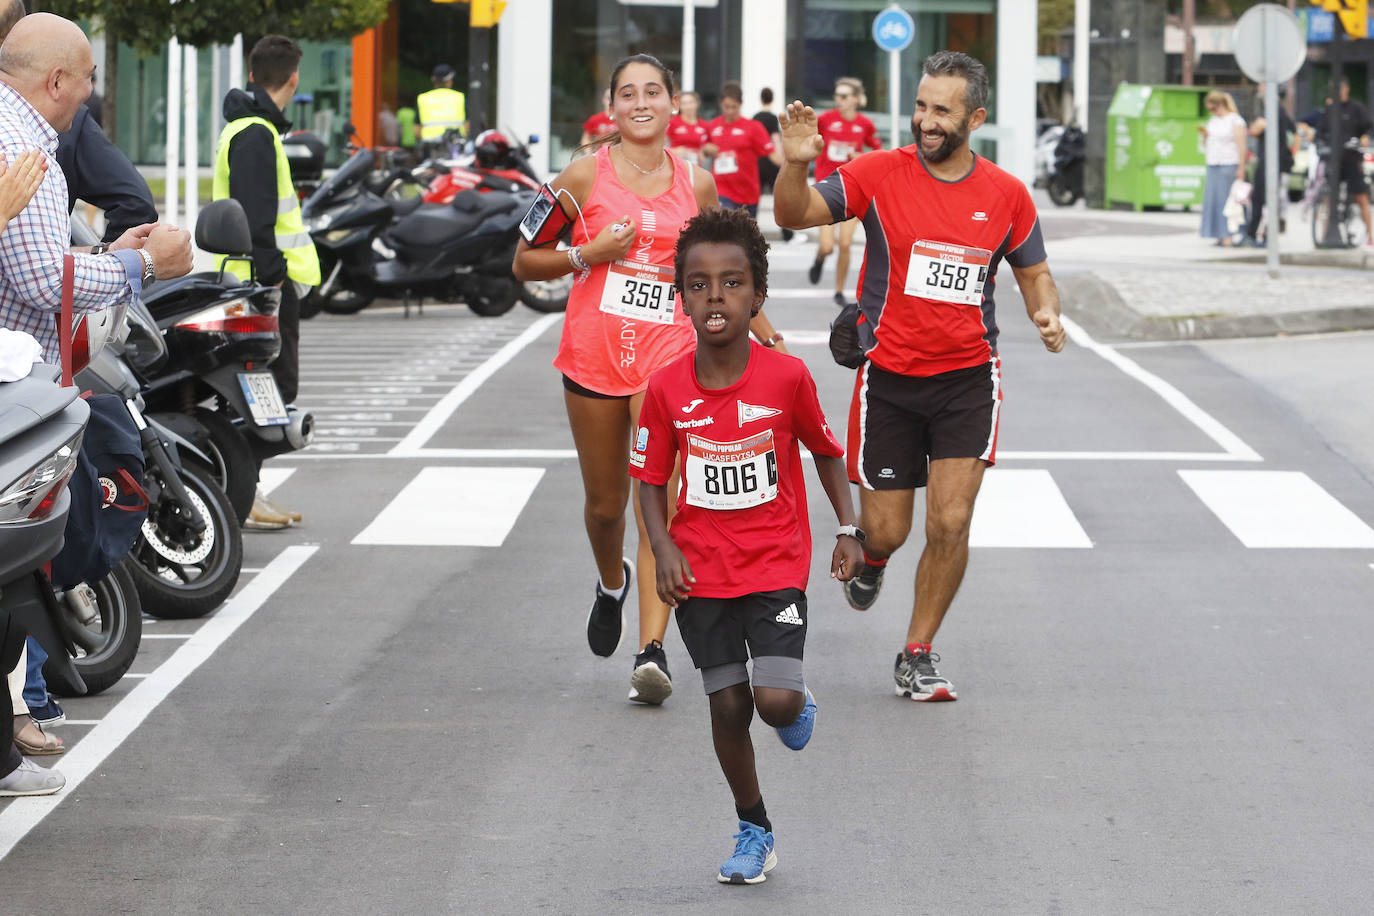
(686, 139)
(598, 125)
(925, 288)
(741, 511)
(843, 140)
(736, 166)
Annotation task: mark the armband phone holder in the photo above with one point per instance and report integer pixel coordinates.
(545, 222)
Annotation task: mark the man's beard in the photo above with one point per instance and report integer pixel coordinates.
(947, 147)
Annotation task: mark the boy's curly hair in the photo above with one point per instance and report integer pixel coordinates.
(734, 227)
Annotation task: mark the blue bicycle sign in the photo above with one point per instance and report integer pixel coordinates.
(893, 29)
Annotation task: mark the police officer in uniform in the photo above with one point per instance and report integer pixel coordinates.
(441, 108)
(251, 167)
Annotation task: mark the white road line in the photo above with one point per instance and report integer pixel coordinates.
(79, 722)
(166, 636)
(271, 478)
(435, 419)
(1235, 448)
(454, 507)
(1024, 508)
(23, 814)
(559, 454)
(1284, 509)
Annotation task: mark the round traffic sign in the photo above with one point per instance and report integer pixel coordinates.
(1270, 44)
(893, 29)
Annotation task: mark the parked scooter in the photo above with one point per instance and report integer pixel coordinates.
(496, 163)
(188, 557)
(370, 246)
(1066, 171)
(41, 425)
(210, 383)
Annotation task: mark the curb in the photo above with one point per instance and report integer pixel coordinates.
(1095, 304)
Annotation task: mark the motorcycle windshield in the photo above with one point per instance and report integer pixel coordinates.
(349, 174)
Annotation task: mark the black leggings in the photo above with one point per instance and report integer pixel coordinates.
(12, 638)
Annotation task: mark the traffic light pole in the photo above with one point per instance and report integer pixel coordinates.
(1332, 237)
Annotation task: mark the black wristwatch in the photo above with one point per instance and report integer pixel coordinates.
(853, 531)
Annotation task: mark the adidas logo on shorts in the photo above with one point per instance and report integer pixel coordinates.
(789, 615)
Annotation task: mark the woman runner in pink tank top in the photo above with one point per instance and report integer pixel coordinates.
(623, 322)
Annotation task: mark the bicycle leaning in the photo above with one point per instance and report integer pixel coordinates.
(1349, 223)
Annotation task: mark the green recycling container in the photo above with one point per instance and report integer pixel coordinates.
(1154, 151)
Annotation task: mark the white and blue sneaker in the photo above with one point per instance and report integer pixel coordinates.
(753, 857)
(798, 733)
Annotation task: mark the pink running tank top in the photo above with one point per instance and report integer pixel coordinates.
(624, 319)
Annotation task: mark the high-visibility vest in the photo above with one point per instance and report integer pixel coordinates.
(441, 110)
(302, 263)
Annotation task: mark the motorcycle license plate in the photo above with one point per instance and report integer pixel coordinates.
(264, 399)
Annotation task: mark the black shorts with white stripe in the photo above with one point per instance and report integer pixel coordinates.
(898, 424)
(717, 631)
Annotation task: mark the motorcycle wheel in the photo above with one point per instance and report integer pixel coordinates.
(343, 302)
(234, 468)
(547, 295)
(108, 644)
(181, 573)
(491, 296)
(1061, 193)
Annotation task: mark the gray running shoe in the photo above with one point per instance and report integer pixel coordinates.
(606, 620)
(917, 678)
(651, 683)
(862, 590)
(31, 779)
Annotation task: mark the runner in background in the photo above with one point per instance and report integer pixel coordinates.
(736, 145)
(846, 134)
(599, 124)
(768, 169)
(686, 131)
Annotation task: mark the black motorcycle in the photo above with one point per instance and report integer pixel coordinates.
(370, 246)
(212, 385)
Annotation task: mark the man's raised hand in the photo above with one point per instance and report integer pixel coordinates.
(801, 139)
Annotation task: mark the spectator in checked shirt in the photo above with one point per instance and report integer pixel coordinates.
(46, 73)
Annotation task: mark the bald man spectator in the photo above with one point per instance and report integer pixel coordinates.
(46, 73)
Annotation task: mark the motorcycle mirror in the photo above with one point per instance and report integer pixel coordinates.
(222, 228)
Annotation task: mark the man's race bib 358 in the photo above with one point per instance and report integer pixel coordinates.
(643, 292)
(947, 273)
(731, 475)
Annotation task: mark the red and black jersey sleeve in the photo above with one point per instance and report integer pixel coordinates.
(1026, 247)
(655, 445)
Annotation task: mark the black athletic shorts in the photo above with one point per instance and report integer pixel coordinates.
(898, 424)
(586, 392)
(717, 631)
(1352, 172)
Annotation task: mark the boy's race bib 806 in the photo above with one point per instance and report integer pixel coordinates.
(947, 273)
(731, 475)
(643, 292)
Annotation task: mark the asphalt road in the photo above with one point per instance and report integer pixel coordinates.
(1157, 713)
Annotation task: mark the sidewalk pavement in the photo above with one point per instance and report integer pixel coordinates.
(1150, 276)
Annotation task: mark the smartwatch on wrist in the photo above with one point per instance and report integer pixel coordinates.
(853, 531)
(100, 248)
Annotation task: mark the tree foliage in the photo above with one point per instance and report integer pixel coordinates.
(148, 24)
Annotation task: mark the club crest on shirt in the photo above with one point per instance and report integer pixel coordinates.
(750, 412)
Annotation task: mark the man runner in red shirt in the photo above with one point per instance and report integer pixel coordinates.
(938, 221)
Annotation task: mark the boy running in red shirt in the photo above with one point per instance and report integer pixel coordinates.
(737, 559)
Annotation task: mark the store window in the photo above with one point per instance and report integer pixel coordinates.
(832, 38)
(591, 36)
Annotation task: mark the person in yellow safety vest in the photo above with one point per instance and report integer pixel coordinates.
(441, 108)
(251, 167)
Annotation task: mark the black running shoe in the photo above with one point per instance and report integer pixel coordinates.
(840, 300)
(814, 273)
(862, 590)
(606, 621)
(651, 683)
(917, 678)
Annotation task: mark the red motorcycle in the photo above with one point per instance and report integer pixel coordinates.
(495, 163)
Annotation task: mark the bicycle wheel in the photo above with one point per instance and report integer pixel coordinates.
(1321, 217)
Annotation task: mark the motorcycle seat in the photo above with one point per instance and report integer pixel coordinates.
(405, 205)
(435, 225)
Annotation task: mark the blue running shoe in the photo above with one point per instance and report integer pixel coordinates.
(798, 733)
(753, 857)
